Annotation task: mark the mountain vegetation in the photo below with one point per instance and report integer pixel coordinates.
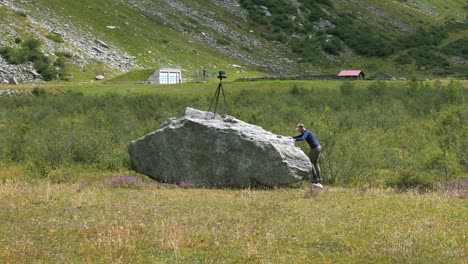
(29, 52)
(246, 38)
(373, 133)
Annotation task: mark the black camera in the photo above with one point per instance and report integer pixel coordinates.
(222, 75)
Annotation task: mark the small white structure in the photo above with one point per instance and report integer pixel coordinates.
(165, 76)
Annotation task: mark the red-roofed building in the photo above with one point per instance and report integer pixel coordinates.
(352, 74)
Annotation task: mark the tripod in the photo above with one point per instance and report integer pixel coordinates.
(216, 98)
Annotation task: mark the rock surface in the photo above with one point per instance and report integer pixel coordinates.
(208, 150)
(79, 42)
(13, 73)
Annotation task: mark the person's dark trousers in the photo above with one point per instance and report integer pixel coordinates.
(314, 157)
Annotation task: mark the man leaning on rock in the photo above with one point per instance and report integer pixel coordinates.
(314, 154)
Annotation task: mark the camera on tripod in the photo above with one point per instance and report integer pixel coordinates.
(222, 75)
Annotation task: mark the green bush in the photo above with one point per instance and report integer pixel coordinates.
(363, 38)
(377, 89)
(453, 93)
(223, 41)
(21, 13)
(332, 46)
(326, 2)
(410, 180)
(457, 48)
(422, 37)
(30, 52)
(346, 88)
(55, 38)
(315, 13)
(64, 54)
(39, 91)
(14, 56)
(428, 57)
(403, 59)
(32, 44)
(369, 132)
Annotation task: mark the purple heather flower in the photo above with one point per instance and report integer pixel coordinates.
(186, 184)
(125, 181)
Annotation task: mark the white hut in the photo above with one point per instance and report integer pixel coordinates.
(165, 76)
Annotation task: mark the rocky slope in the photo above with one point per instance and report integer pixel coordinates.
(112, 37)
(83, 46)
(87, 48)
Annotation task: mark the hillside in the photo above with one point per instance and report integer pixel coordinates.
(246, 38)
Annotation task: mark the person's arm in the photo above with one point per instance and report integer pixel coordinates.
(300, 137)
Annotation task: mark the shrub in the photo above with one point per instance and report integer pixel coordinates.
(39, 168)
(39, 91)
(64, 54)
(428, 57)
(21, 13)
(363, 39)
(50, 73)
(14, 56)
(403, 59)
(409, 180)
(59, 62)
(55, 38)
(326, 2)
(332, 46)
(453, 93)
(307, 49)
(457, 48)
(346, 88)
(423, 132)
(32, 44)
(30, 52)
(223, 41)
(377, 88)
(424, 38)
(315, 13)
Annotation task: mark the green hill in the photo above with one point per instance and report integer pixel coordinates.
(246, 38)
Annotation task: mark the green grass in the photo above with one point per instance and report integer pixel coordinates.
(421, 124)
(76, 223)
(59, 150)
(454, 37)
(449, 9)
(136, 75)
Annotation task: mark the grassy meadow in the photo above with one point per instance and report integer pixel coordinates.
(394, 165)
(151, 223)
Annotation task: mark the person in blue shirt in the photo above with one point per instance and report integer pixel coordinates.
(314, 154)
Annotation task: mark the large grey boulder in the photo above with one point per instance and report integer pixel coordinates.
(208, 150)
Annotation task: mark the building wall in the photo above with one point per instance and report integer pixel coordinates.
(359, 77)
(166, 76)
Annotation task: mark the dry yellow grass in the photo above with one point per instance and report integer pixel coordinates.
(151, 223)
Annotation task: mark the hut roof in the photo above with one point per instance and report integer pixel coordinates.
(345, 73)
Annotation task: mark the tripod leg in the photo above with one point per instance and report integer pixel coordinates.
(212, 100)
(224, 96)
(215, 97)
(216, 103)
